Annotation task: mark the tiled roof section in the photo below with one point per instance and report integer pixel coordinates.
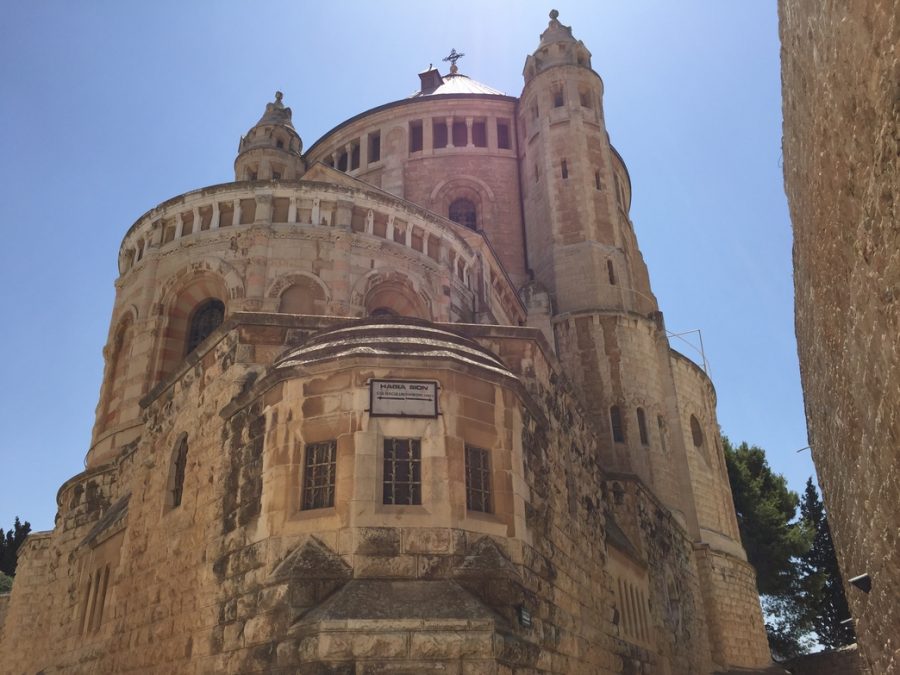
(459, 84)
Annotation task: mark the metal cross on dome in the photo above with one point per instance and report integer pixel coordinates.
(453, 57)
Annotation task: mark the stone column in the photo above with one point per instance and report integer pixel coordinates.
(470, 143)
(236, 218)
(449, 131)
(292, 211)
(179, 225)
(195, 227)
(214, 219)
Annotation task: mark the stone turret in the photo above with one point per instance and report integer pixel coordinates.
(271, 149)
(558, 47)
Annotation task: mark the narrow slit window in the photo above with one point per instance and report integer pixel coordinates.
(597, 184)
(611, 270)
(564, 169)
(642, 427)
(478, 480)
(402, 480)
(179, 466)
(696, 432)
(661, 423)
(615, 419)
(319, 475)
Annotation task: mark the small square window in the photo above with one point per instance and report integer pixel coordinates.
(402, 480)
(478, 480)
(319, 475)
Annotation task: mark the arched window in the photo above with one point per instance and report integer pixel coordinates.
(179, 464)
(462, 211)
(696, 432)
(615, 418)
(206, 319)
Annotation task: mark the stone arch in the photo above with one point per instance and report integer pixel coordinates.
(385, 293)
(300, 294)
(182, 296)
(464, 187)
(118, 359)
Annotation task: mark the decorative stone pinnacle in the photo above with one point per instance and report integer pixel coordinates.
(278, 97)
(554, 15)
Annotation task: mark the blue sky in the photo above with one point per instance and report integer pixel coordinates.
(108, 108)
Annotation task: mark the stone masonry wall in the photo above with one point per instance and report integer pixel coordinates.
(840, 74)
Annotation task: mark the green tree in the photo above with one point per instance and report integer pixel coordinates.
(827, 604)
(9, 546)
(5, 583)
(774, 540)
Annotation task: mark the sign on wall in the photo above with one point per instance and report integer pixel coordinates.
(403, 398)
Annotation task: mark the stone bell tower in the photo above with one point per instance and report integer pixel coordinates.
(583, 252)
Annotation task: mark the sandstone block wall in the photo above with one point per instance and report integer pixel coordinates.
(840, 74)
(219, 583)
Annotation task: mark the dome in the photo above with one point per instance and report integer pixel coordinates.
(457, 83)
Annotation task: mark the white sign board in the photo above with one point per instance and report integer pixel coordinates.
(403, 398)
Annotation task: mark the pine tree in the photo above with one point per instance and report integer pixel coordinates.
(766, 513)
(9, 546)
(825, 599)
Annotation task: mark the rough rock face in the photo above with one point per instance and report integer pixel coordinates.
(841, 88)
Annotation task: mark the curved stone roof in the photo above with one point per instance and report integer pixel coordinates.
(456, 83)
(410, 339)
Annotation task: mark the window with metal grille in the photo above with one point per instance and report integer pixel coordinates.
(206, 319)
(318, 475)
(478, 480)
(463, 211)
(642, 427)
(402, 471)
(179, 467)
(615, 419)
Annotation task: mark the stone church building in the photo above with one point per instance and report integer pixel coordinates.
(402, 402)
